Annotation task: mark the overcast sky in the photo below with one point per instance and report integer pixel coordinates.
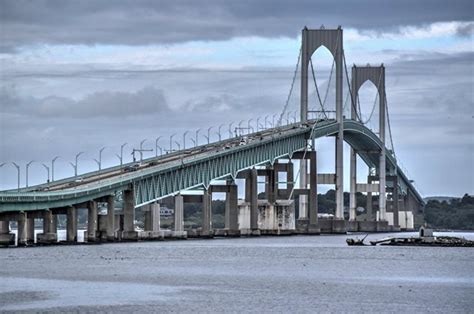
(79, 75)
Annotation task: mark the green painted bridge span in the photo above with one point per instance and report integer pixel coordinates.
(186, 172)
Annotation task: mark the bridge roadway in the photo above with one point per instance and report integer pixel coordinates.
(162, 176)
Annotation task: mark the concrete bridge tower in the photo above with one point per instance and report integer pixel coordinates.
(332, 40)
(376, 75)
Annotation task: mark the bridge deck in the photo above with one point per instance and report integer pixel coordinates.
(265, 146)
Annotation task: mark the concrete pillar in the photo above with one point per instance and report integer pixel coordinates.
(303, 199)
(253, 195)
(71, 232)
(206, 213)
(370, 215)
(30, 231)
(232, 204)
(129, 232)
(111, 217)
(92, 221)
(49, 234)
(382, 171)
(4, 226)
(152, 217)
(395, 202)
(353, 186)
(382, 186)
(227, 210)
(47, 221)
(289, 178)
(271, 184)
(313, 189)
(6, 238)
(340, 135)
(22, 232)
(178, 213)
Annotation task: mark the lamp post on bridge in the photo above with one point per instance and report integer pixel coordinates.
(120, 157)
(208, 137)
(99, 162)
(171, 142)
(219, 132)
(75, 165)
(141, 149)
(230, 129)
(184, 139)
(273, 120)
(196, 140)
(18, 170)
(288, 117)
(52, 167)
(249, 126)
(258, 122)
(156, 146)
(177, 144)
(47, 172)
(161, 149)
(28, 166)
(240, 125)
(266, 118)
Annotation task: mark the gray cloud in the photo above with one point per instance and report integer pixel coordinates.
(148, 22)
(100, 104)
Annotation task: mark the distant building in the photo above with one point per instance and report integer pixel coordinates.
(166, 212)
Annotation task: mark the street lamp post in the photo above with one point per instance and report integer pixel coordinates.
(156, 146)
(184, 139)
(28, 166)
(161, 149)
(249, 126)
(219, 132)
(273, 120)
(240, 126)
(52, 167)
(99, 162)
(258, 122)
(177, 144)
(75, 165)
(171, 141)
(266, 121)
(18, 170)
(208, 137)
(120, 157)
(288, 117)
(196, 140)
(141, 149)
(47, 172)
(230, 129)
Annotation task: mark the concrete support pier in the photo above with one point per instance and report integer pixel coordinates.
(129, 233)
(232, 211)
(71, 232)
(30, 230)
(49, 234)
(206, 213)
(111, 218)
(92, 221)
(6, 238)
(251, 196)
(179, 217)
(313, 226)
(22, 226)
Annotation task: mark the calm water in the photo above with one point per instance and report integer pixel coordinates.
(303, 274)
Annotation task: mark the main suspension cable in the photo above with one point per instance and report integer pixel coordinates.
(291, 89)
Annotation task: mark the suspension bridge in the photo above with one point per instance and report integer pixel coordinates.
(193, 174)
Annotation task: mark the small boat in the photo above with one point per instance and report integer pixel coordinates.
(356, 241)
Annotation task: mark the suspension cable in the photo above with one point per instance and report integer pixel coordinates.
(291, 88)
(389, 127)
(317, 89)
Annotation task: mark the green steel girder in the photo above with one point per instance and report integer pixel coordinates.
(172, 177)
